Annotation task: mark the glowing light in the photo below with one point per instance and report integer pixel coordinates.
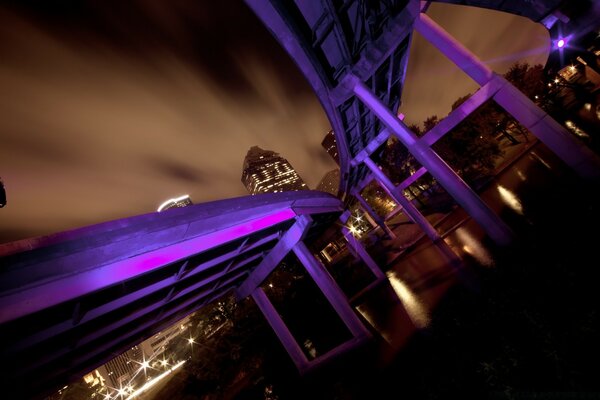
(145, 365)
(572, 68)
(576, 130)
(473, 247)
(556, 80)
(154, 381)
(172, 201)
(510, 199)
(561, 43)
(533, 154)
(191, 341)
(415, 309)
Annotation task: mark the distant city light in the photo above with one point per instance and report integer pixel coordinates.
(154, 381)
(172, 201)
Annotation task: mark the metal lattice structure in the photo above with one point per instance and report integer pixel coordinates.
(70, 301)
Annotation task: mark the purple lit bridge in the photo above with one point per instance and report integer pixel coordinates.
(71, 301)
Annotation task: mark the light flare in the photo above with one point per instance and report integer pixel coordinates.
(510, 199)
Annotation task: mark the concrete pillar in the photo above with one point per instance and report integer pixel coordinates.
(544, 127)
(454, 185)
(408, 207)
(331, 290)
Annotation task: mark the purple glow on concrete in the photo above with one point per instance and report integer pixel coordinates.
(55, 292)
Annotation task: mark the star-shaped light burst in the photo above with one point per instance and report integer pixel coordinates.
(122, 391)
(164, 362)
(144, 365)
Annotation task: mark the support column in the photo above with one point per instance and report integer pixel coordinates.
(544, 127)
(454, 185)
(281, 330)
(408, 207)
(331, 290)
(373, 215)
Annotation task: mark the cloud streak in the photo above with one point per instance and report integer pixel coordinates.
(109, 108)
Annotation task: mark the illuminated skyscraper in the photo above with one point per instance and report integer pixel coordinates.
(330, 145)
(330, 182)
(267, 172)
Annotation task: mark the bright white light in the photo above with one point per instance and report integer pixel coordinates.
(556, 80)
(510, 199)
(561, 43)
(171, 201)
(473, 247)
(154, 381)
(191, 341)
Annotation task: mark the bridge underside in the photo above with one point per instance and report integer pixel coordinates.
(73, 300)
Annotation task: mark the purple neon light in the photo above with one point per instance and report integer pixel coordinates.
(561, 43)
(55, 292)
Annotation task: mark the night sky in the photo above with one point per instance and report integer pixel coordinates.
(109, 108)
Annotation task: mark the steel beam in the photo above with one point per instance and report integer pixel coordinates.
(294, 235)
(454, 185)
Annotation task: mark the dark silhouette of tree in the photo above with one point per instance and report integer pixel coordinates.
(472, 147)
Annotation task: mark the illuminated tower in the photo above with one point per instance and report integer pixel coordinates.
(267, 172)
(330, 145)
(330, 182)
